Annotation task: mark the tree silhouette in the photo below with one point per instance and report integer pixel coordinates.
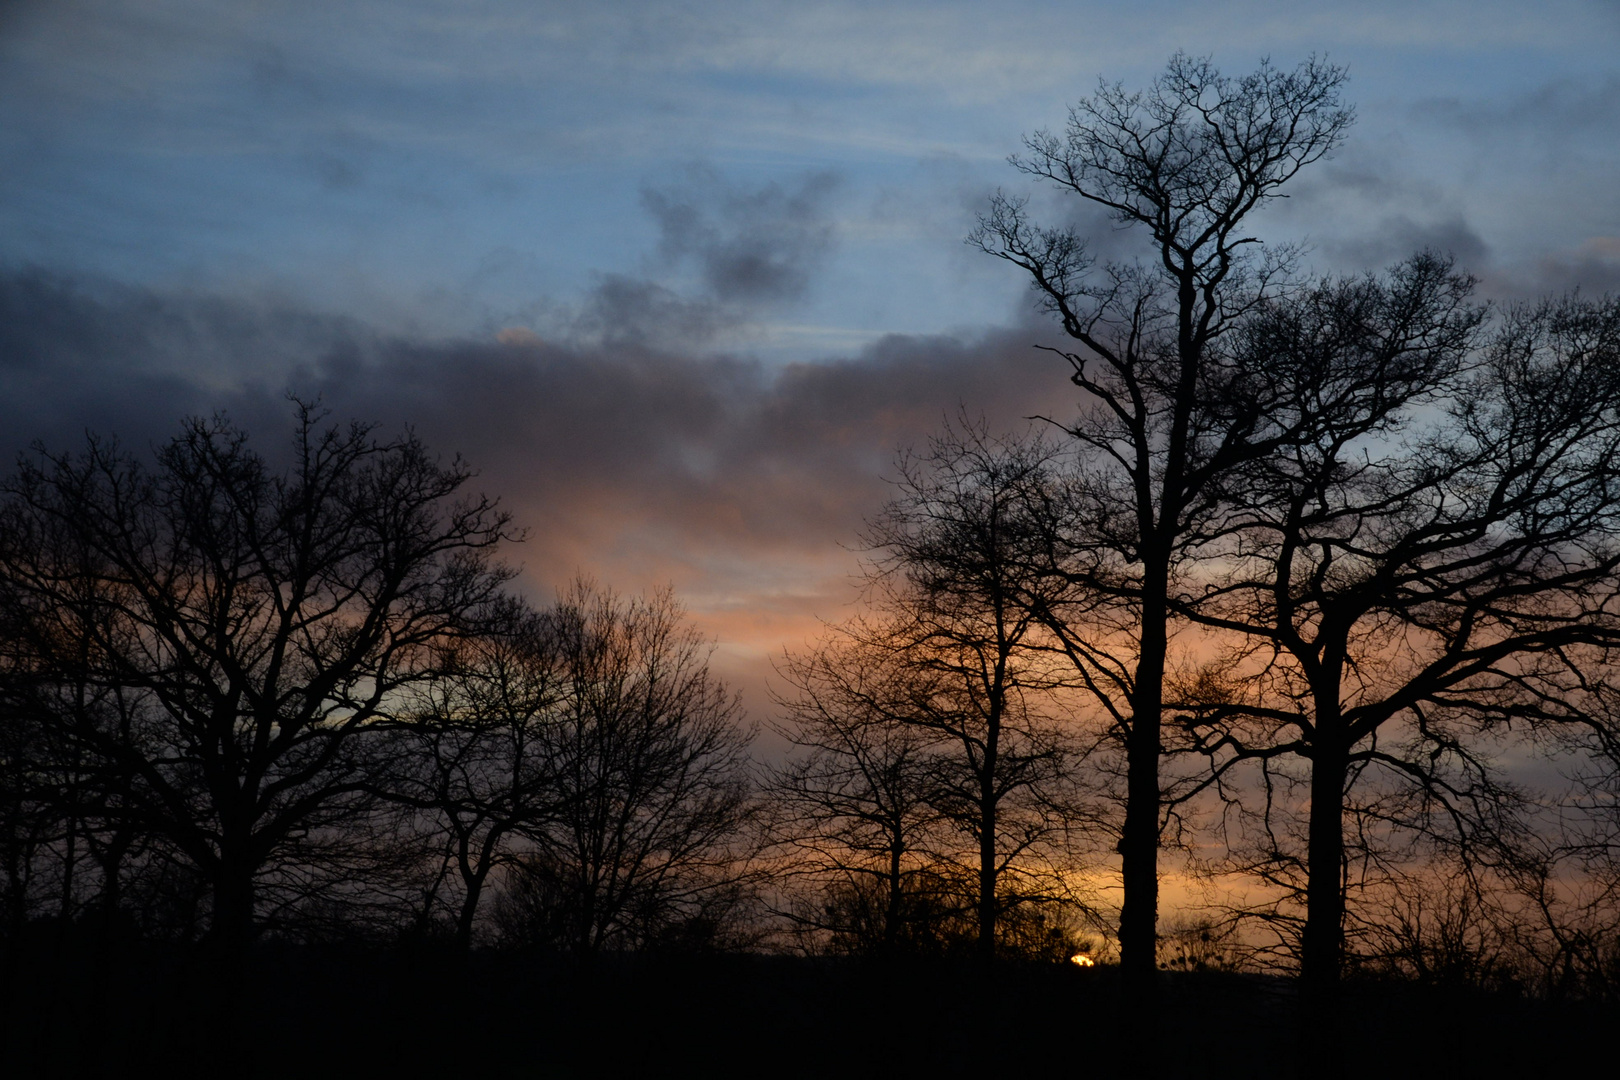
(852, 811)
(250, 625)
(643, 839)
(959, 584)
(476, 744)
(1166, 414)
(1407, 593)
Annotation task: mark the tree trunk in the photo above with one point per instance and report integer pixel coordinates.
(70, 863)
(231, 931)
(987, 880)
(893, 914)
(230, 939)
(111, 862)
(1323, 943)
(469, 910)
(1139, 842)
(1324, 890)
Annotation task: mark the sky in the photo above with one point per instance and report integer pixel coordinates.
(681, 280)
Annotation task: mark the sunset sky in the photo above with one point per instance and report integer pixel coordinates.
(680, 279)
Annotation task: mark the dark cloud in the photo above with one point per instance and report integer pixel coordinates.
(78, 353)
(1562, 110)
(622, 310)
(750, 245)
(1395, 238)
(51, 320)
(1593, 268)
(638, 463)
(671, 463)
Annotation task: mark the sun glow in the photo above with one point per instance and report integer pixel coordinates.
(1080, 959)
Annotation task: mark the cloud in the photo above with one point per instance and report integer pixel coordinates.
(1559, 111)
(52, 320)
(1398, 236)
(735, 480)
(749, 244)
(81, 353)
(1592, 267)
(640, 463)
(624, 310)
(740, 483)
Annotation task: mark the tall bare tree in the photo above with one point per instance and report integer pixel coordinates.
(1166, 414)
(1408, 592)
(960, 584)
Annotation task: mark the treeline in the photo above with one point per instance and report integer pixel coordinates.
(303, 703)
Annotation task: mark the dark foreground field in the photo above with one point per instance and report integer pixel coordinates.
(75, 1010)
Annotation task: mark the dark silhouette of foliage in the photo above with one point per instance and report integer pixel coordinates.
(475, 747)
(1404, 598)
(937, 781)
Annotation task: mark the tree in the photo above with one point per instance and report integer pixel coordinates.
(1409, 593)
(646, 765)
(30, 819)
(254, 624)
(959, 589)
(1566, 876)
(1167, 414)
(852, 813)
(476, 746)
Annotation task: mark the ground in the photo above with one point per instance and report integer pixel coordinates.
(82, 1009)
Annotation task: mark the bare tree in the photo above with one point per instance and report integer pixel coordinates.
(30, 819)
(851, 813)
(1410, 593)
(255, 623)
(1565, 916)
(65, 840)
(1167, 415)
(959, 584)
(475, 748)
(1557, 888)
(646, 762)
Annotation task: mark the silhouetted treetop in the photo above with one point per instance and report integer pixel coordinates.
(252, 622)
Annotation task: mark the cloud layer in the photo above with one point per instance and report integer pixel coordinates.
(741, 483)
